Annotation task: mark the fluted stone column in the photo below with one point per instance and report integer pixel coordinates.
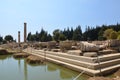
(25, 32)
(18, 36)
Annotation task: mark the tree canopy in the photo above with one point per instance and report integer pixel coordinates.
(90, 33)
(42, 36)
(113, 35)
(56, 34)
(1, 38)
(107, 33)
(8, 38)
(77, 34)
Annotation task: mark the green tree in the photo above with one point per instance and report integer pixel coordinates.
(118, 38)
(107, 33)
(44, 37)
(77, 34)
(49, 37)
(113, 35)
(4, 41)
(56, 34)
(8, 38)
(29, 36)
(1, 39)
(118, 32)
(100, 34)
(62, 37)
(68, 34)
(37, 36)
(32, 37)
(71, 33)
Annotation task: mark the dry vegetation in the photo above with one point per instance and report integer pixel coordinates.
(3, 52)
(21, 55)
(34, 60)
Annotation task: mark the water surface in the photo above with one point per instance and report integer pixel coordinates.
(18, 69)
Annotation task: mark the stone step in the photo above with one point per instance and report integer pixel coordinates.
(94, 66)
(69, 62)
(70, 66)
(90, 72)
(104, 52)
(102, 58)
(80, 58)
(109, 57)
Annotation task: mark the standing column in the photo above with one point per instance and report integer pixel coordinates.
(19, 37)
(25, 32)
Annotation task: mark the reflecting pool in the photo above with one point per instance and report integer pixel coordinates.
(18, 69)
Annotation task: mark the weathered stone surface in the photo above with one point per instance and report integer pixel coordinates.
(117, 78)
(88, 47)
(101, 47)
(117, 73)
(103, 52)
(65, 45)
(108, 51)
(51, 44)
(98, 42)
(74, 52)
(113, 43)
(24, 45)
(115, 48)
(3, 52)
(100, 78)
(74, 48)
(21, 55)
(35, 45)
(90, 54)
(55, 50)
(34, 59)
(43, 44)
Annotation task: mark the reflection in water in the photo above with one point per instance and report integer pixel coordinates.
(20, 70)
(64, 73)
(3, 57)
(25, 70)
(50, 67)
(19, 64)
(35, 65)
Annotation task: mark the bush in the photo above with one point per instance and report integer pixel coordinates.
(62, 37)
(118, 38)
(107, 33)
(113, 35)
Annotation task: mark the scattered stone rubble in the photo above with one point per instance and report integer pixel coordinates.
(100, 78)
(34, 60)
(21, 55)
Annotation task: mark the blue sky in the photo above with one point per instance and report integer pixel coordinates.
(55, 14)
